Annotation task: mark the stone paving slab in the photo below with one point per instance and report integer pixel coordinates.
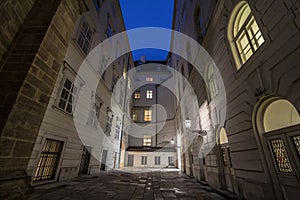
(128, 185)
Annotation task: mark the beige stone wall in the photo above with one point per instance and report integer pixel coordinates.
(275, 67)
(13, 15)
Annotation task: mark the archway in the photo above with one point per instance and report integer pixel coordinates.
(277, 122)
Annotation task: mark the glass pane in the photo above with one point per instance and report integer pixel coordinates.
(68, 84)
(69, 108)
(282, 161)
(297, 143)
(64, 94)
(62, 104)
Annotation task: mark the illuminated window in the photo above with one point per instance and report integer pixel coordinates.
(147, 115)
(149, 94)
(244, 34)
(211, 82)
(280, 114)
(149, 79)
(137, 95)
(147, 141)
(49, 159)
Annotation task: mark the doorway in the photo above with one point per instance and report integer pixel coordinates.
(85, 160)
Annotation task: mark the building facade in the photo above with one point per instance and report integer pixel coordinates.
(253, 44)
(150, 145)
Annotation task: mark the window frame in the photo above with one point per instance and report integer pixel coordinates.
(147, 117)
(70, 74)
(149, 94)
(79, 31)
(233, 39)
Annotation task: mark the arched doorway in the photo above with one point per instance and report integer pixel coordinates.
(278, 125)
(225, 162)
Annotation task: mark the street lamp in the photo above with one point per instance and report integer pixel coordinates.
(188, 124)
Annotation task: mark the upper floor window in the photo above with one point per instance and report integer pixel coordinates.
(67, 96)
(109, 30)
(244, 34)
(147, 140)
(147, 115)
(97, 4)
(149, 79)
(149, 94)
(85, 37)
(212, 85)
(137, 95)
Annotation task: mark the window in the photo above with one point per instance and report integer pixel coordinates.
(212, 85)
(135, 115)
(147, 141)
(280, 114)
(118, 128)
(94, 114)
(149, 79)
(109, 30)
(109, 118)
(144, 160)
(244, 34)
(147, 115)
(97, 4)
(137, 95)
(48, 161)
(171, 160)
(85, 37)
(157, 160)
(67, 96)
(149, 94)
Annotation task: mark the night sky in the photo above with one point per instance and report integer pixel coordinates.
(148, 13)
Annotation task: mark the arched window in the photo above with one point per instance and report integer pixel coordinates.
(280, 114)
(223, 136)
(212, 85)
(243, 34)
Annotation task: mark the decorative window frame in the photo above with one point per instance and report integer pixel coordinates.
(239, 63)
(68, 74)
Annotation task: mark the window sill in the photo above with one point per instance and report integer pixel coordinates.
(62, 111)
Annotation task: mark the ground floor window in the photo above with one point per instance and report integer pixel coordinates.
(144, 160)
(49, 160)
(157, 160)
(171, 160)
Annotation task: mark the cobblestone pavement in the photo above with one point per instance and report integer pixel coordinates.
(125, 185)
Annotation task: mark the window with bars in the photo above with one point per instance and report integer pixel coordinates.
(49, 159)
(157, 160)
(67, 96)
(144, 160)
(245, 33)
(296, 140)
(147, 115)
(147, 140)
(280, 156)
(85, 37)
(149, 94)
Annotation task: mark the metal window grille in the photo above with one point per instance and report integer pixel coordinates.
(281, 159)
(48, 161)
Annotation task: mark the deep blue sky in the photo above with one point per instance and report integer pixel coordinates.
(148, 13)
